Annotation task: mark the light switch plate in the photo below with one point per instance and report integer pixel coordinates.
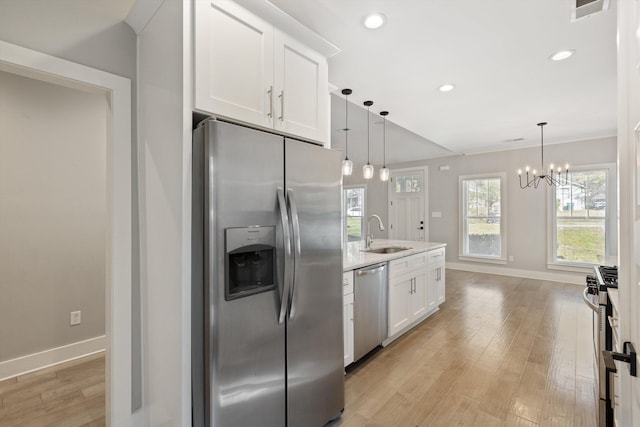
(436, 214)
(75, 318)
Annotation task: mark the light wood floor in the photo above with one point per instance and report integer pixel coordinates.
(67, 395)
(502, 351)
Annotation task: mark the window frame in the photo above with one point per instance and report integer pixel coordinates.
(502, 258)
(611, 235)
(345, 235)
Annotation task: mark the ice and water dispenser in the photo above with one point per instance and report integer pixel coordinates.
(250, 261)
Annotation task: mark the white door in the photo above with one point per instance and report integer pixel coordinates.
(347, 328)
(398, 315)
(432, 284)
(419, 295)
(629, 200)
(407, 188)
(301, 93)
(233, 63)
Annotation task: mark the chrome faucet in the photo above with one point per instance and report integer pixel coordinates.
(369, 235)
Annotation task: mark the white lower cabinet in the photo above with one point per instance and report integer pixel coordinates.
(416, 288)
(407, 292)
(399, 292)
(347, 315)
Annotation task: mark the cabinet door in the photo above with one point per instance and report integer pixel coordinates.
(347, 314)
(301, 89)
(233, 62)
(432, 284)
(418, 305)
(440, 285)
(398, 316)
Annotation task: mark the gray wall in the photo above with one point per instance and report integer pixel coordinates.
(52, 215)
(526, 209)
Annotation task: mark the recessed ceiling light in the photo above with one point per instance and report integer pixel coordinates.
(563, 54)
(374, 21)
(446, 87)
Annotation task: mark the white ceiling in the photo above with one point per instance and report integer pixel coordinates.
(495, 52)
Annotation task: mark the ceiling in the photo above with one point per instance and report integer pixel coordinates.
(495, 52)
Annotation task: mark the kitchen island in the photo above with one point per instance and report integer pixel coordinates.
(415, 286)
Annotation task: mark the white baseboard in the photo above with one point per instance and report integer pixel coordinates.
(565, 277)
(33, 362)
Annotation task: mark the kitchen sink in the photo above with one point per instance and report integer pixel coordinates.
(387, 250)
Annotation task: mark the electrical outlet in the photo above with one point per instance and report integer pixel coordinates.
(75, 318)
(510, 258)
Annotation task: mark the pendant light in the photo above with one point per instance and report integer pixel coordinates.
(384, 172)
(367, 170)
(347, 165)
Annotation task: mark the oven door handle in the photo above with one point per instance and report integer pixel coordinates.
(587, 301)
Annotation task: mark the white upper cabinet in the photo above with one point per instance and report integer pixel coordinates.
(301, 89)
(233, 62)
(247, 70)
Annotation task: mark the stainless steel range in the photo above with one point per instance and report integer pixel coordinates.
(595, 296)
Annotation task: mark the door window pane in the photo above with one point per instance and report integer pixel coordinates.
(408, 184)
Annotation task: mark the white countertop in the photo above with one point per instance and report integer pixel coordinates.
(354, 257)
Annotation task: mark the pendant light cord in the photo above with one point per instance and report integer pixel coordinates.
(346, 127)
(368, 107)
(384, 141)
(542, 149)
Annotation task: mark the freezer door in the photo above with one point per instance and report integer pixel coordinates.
(314, 329)
(244, 340)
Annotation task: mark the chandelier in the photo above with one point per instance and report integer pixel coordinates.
(551, 178)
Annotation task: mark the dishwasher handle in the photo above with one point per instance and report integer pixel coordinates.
(366, 272)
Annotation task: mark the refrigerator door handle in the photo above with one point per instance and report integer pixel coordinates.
(286, 238)
(295, 222)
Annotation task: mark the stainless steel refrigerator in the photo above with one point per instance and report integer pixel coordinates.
(267, 280)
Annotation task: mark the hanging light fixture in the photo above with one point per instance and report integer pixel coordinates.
(384, 172)
(347, 165)
(551, 179)
(367, 170)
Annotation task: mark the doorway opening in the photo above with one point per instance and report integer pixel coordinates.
(114, 93)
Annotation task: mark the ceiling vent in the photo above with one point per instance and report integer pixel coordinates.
(583, 8)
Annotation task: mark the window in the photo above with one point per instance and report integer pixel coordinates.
(408, 183)
(354, 213)
(482, 219)
(582, 227)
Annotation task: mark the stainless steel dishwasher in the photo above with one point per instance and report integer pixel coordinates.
(369, 309)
